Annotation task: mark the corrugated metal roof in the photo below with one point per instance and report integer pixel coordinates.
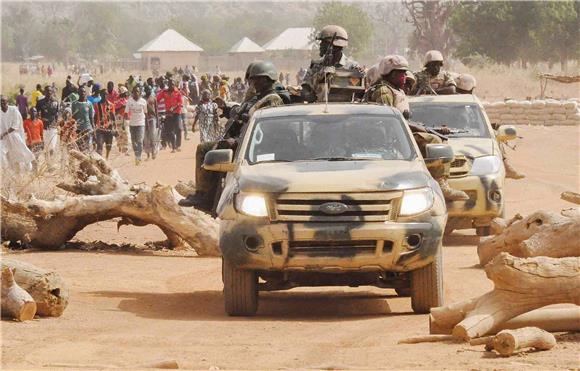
(246, 45)
(295, 38)
(170, 41)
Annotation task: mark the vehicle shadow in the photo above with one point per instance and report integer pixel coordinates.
(209, 305)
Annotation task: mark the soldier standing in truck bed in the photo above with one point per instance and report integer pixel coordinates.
(433, 80)
(334, 37)
(262, 77)
(388, 90)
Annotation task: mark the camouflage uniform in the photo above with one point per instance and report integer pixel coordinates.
(426, 84)
(309, 82)
(207, 182)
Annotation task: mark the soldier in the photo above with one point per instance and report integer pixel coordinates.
(432, 80)
(332, 41)
(410, 82)
(262, 77)
(388, 90)
(466, 83)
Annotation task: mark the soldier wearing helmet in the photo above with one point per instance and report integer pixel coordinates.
(389, 90)
(410, 81)
(433, 80)
(333, 39)
(262, 78)
(465, 84)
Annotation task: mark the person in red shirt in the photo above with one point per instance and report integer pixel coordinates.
(33, 128)
(104, 124)
(173, 107)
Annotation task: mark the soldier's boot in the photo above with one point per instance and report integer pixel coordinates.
(449, 193)
(198, 200)
(510, 172)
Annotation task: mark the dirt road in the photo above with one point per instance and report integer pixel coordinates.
(130, 310)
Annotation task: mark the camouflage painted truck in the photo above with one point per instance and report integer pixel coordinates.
(477, 168)
(334, 195)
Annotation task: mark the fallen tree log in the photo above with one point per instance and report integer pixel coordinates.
(511, 238)
(549, 319)
(16, 302)
(49, 291)
(101, 194)
(520, 285)
(508, 342)
(498, 225)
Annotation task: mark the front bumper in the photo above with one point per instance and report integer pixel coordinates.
(384, 246)
(485, 197)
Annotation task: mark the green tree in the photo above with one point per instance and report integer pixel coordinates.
(557, 32)
(352, 18)
(524, 31)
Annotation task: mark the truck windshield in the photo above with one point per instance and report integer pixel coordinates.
(329, 138)
(465, 118)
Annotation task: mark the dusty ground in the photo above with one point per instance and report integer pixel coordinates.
(130, 310)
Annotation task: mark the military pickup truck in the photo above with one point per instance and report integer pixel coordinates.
(329, 195)
(477, 168)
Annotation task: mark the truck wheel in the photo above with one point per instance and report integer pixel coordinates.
(427, 285)
(483, 231)
(240, 290)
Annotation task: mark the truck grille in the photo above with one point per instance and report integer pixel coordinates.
(331, 248)
(310, 207)
(460, 167)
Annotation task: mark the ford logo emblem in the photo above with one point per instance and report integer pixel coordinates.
(333, 208)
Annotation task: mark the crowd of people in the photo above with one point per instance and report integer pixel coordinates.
(149, 115)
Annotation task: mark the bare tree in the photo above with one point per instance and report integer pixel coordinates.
(431, 21)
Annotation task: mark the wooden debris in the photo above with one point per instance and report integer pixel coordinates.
(508, 342)
(45, 287)
(426, 339)
(101, 194)
(571, 197)
(521, 285)
(16, 302)
(552, 226)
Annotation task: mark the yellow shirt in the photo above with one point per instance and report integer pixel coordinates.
(34, 97)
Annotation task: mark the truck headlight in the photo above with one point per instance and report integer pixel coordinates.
(485, 165)
(251, 204)
(416, 201)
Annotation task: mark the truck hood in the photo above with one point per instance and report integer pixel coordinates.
(332, 176)
(473, 147)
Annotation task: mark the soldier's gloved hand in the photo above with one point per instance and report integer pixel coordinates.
(244, 117)
(406, 114)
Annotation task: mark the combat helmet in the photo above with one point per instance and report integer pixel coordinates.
(263, 68)
(466, 82)
(410, 76)
(328, 32)
(391, 63)
(433, 56)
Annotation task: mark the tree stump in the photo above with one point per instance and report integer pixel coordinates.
(48, 290)
(16, 302)
(101, 194)
(520, 285)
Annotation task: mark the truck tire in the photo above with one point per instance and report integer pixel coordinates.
(240, 290)
(427, 285)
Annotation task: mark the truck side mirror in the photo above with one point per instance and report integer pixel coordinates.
(219, 160)
(439, 152)
(506, 133)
